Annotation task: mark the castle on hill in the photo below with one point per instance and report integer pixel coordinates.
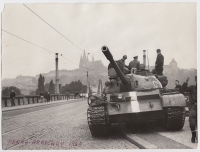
(92, 66)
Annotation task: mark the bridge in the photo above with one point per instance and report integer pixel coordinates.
(62, 124)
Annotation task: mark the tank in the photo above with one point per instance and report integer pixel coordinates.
(137, 97)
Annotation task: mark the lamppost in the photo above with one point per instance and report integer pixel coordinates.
(87, 85)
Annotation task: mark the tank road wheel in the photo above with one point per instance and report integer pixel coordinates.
(98, 121)
(175, 118)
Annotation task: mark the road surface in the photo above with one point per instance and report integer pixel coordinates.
(59, 127)
(63, 125)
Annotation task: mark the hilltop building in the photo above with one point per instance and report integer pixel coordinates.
(92, 66)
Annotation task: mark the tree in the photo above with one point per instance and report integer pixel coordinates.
(40, 85)
(6, 91)
(74, 87)
(51, 87)
(46, 87)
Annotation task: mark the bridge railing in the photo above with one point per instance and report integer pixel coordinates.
(31, 99)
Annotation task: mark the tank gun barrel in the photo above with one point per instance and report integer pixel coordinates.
(109, 56)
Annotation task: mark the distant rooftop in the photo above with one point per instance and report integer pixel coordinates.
(173, 61)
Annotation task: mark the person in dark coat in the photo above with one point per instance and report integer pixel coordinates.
(192, 89)
(159, 63)
(48, 97)
(12, 96)
(178, 86)
(134, 64)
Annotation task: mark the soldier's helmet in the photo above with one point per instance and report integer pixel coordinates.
(125, 56)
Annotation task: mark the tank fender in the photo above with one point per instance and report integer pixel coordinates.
(173, 100)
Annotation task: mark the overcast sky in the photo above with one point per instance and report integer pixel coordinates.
(124, 28)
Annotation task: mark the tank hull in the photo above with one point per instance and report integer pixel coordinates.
(140, 102)
(137, 117)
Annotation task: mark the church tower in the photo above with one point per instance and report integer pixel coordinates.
(81, 61)
(173, 65)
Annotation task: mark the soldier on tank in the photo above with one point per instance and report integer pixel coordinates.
(192, 89)
(122, 61)
(122, 66)
(177, 86)
(134, 64)
(159, 63)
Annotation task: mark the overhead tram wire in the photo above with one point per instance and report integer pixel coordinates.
(55, 29)
(40, 47)
(26, 41)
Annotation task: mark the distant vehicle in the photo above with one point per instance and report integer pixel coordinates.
(82, 95)
(136, 97)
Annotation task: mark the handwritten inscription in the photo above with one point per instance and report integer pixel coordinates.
(36, 142)
(73, 143)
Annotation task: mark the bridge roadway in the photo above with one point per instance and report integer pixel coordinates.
(63, 125)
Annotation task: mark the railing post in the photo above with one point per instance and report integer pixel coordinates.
(6, 102)
(18, 101)
(28, 100)
(33, 99)
(37, 99)
(23, 100)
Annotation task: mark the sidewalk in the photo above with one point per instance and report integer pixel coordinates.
(34, 105)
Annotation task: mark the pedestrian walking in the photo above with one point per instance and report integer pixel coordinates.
(12, 97)
(48, 96)
(192, 89)
(159, 63)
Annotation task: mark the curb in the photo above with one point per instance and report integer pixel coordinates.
(141, 143)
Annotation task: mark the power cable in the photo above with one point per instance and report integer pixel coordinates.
(26, 41)
(40, 47)
(53, 27)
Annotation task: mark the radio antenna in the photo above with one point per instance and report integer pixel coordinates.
(148, 59)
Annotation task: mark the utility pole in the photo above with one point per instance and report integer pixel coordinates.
(57, 77)
(144, 58)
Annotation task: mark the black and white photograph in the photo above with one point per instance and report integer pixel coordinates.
(99, 75)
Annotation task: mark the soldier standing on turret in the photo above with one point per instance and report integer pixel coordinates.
(134, 64)
(159, 63)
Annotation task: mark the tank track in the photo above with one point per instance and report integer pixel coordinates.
(175, 118)
(97, 120)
